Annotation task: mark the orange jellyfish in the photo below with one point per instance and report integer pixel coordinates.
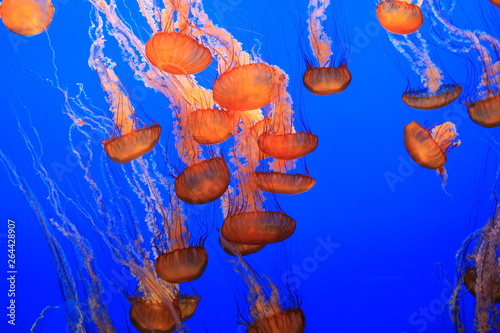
(26, 17)
(399, 16)
(257, 228)
(246, 87)
(282, 183)
(435, 94)
(203, 182)
(281, 140)
(264, 301)
(182, 265)
(132, 143)
(324, 79)
(210, 126)
(430, 148)
(288, 146)
(484, 105)
(177, 53)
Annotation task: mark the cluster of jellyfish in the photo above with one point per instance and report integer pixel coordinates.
(478, 270)
(247, 108)
(235, 140)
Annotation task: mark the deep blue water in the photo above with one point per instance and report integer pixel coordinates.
(393, 231)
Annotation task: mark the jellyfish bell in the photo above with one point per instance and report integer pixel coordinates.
(245, 87)
(429, 149)
(287, 146)
(151, 316)
(210, 126)
(470, 278)
(128, 147)
(177, 53)
(282, 183)
(399, 16)
(187, 306)
(327, 80)
(257, 228)
(422, 99)
(485, 112)
(203, 182)
(26, 17)
(289, 320)
(182, 265)
(495, 2)
(236, 249)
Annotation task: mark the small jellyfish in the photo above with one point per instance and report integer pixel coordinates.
(26, 17)
(289, 320)
(267, 311)
(128, 147)
(257, 228)
(133, 142)
(150, 316)
(203, 182)
(486, 111)
(483, 105)
(430, 148)
(288, 146)
(324, 79)
(495, 2)
(245, 87)
(435, 94)
(177, 53)
(182, 265)
(399, 16)
(210, 126)
(282, 183)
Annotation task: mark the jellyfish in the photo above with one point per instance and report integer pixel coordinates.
(435, 93)
(282, 183)
(267, 311)
(133, 142)
(246, 87)
(281, 140)
(177, 53)
(479, 271)
(203, 182)
(429, 149)
(483, 106)
(400, 16)
(211, 126)
(182, 261)
(26, 17)
(288, 146)
(324, 79)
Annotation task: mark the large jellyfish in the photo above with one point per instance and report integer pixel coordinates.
(323, 79)
(430, 148)
(484, 105)
(435, 93)
(26, 17)
(400, 16)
